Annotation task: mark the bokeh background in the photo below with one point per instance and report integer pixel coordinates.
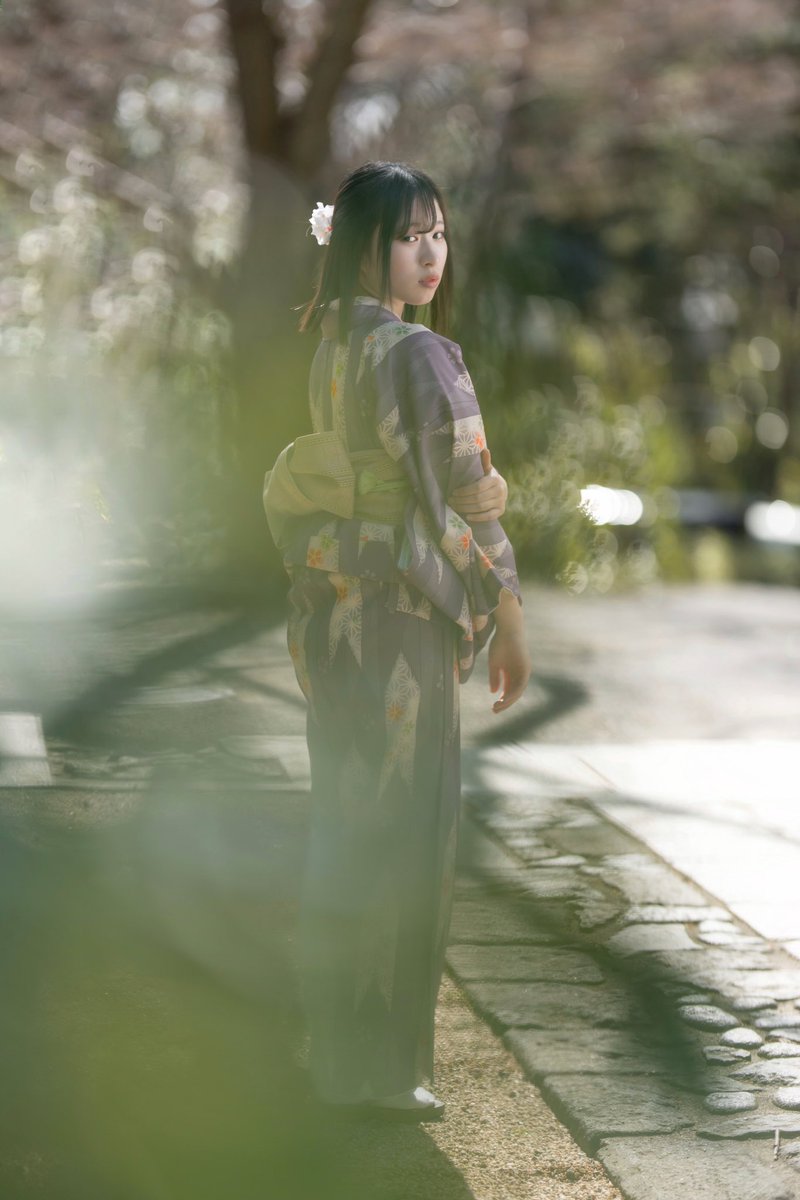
(622, 182)
(622, 179)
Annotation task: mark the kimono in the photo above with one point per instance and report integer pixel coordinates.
(382, 630)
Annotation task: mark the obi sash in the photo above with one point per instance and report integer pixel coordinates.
(316, 472)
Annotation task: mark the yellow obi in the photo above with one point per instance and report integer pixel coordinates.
(316, 473)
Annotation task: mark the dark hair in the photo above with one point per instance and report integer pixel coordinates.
(376, 195)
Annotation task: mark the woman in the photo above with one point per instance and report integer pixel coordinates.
(396, 585)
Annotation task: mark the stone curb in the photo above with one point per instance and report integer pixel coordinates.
(661, 1030)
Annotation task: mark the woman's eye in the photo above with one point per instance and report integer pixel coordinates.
(440, 233)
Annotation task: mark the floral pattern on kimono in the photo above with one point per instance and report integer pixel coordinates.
(428, 419)
(323, 548)
(346, 615)
(379, 342)
(406, 602)
(411, 395)
(401, 703)
(375, 531)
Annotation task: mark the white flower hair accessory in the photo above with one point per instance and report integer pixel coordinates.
(321, 222)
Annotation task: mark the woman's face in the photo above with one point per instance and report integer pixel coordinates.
(415, 265)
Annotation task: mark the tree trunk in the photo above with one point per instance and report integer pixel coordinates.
(269, 362)
(287, 153)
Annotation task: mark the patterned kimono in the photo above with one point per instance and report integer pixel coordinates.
(381, 633)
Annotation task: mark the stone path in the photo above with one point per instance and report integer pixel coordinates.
(663, 1031)
(724, 813)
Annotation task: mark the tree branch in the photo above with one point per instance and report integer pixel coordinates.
(334, 54)
(255, 41)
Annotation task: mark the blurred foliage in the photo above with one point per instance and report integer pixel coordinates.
(637, 265)
(118, 215)
(624, 216)
(595, 417)
(115, 396)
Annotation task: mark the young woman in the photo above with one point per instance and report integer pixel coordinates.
(388, 606)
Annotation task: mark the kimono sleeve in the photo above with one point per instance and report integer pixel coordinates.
(428, 419)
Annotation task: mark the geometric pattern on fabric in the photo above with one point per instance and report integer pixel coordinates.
(383, 734)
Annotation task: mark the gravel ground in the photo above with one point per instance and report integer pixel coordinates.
(497, 1141)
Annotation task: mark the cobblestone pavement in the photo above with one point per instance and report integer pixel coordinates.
(640, 819)
(661, 1029)
(613, 930)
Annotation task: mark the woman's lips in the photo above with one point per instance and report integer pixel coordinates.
(430, 281)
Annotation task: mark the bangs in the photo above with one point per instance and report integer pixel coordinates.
(417, 199)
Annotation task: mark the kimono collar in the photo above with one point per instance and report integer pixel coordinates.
(329, 320)
(334, 304)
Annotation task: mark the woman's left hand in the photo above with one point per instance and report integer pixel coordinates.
(483, 500)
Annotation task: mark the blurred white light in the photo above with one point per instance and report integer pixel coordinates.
(28, 165)
(200, 25)
(145, 141)
(21, 341)
(764, 353)
(216, 200)
(165, 96)
(148, 264)
(131, 107)
(155, 219)
(575, 577)
(35, 244)
(80, 162)
(611, 506)
(706, 308)
(775, 522)
(772, 428)
(366, 118)
(292, 87)
(207, 101)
